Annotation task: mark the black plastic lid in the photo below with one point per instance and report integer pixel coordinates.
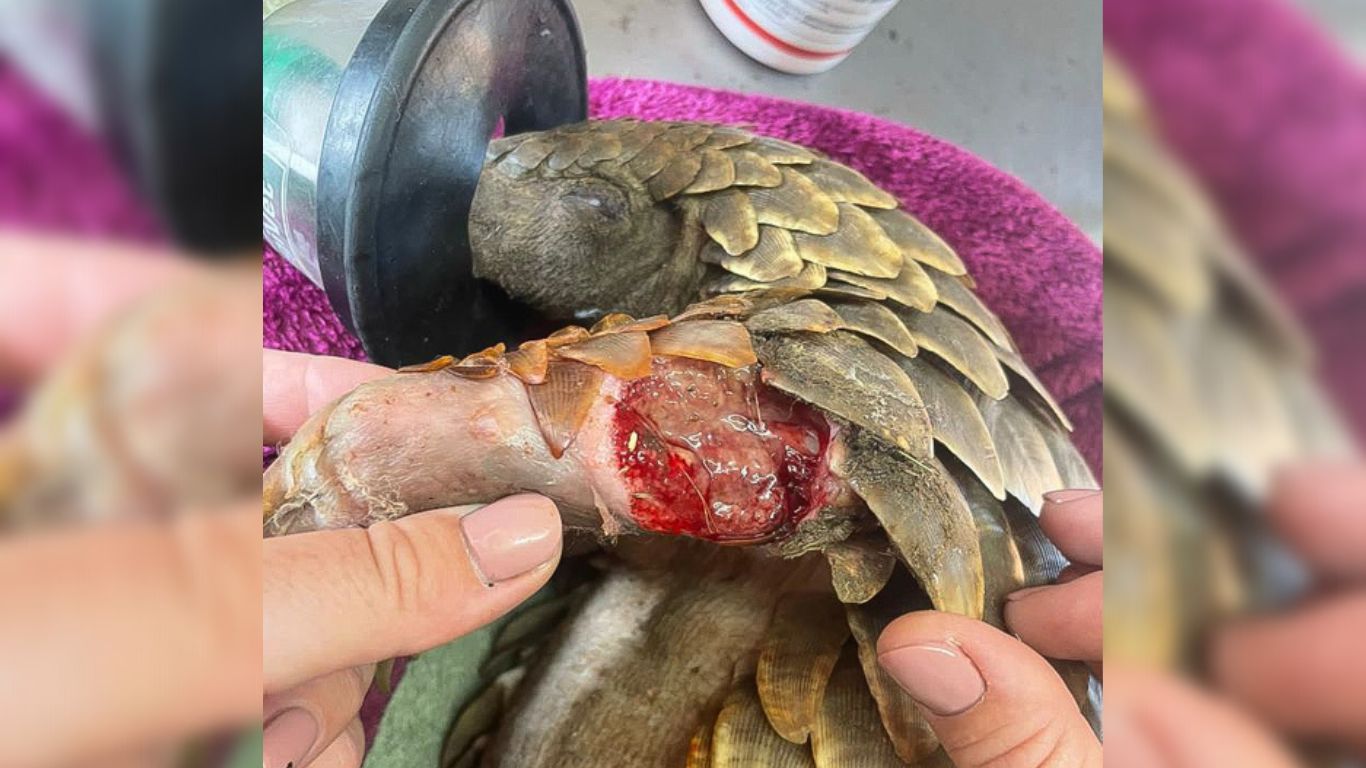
(424, 92)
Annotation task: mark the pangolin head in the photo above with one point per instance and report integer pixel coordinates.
(577, 243)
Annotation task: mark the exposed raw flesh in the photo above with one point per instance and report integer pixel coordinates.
(710, 452)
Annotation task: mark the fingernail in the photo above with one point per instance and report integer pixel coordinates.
(511, 537)
(288, 738)
(939, 677)
(1073, 494)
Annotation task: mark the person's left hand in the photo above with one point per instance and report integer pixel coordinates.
(336, 602)
(992, 699)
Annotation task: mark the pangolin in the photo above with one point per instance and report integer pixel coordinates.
(776, 356)
(1209, 388)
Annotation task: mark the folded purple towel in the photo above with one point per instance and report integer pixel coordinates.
(1270, 115)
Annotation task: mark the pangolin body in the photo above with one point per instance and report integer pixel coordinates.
(804, 367)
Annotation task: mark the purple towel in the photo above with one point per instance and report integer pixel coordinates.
(1038, 271)
(1033, 267)
(1271, 117)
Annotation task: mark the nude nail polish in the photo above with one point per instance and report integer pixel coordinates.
(511, 537)
(1069, 495)
(937, 675)
(288, 738)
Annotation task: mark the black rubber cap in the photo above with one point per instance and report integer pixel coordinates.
(418, 103)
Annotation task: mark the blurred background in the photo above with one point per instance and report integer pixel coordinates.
(129, 383)
(1235, 198)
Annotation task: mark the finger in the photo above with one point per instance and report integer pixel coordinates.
(129, 636)
(989, 698)
(294, 385)
(342, 598)
(302, 721)
(1301, 671)
(347, 751)
(1060, 621)
(1156, 720)
(1075, 522)
(1320, 509)
(54, 291)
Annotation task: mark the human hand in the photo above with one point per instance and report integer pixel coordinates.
(992, 699)
(1063, 620)
(1297, 673)
(336, 602)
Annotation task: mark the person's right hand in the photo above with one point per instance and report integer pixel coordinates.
(992, 699)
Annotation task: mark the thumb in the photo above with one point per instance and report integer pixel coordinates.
(342, 598)
(990, 699)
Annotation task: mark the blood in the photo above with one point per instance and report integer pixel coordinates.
(712, 452)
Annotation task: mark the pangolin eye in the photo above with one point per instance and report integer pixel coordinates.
(602, 199)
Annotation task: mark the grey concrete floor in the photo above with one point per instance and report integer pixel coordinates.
(1017, 83)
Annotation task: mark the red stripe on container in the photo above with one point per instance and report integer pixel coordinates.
(785, 47)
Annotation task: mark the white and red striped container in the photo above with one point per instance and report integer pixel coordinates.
(800, 37)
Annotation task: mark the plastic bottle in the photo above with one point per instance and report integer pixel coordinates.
(797, 36)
